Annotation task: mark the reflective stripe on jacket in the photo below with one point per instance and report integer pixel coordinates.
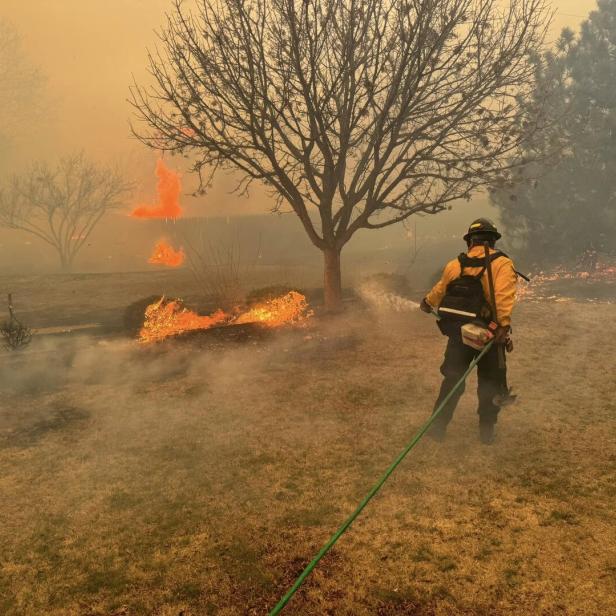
(505, 282)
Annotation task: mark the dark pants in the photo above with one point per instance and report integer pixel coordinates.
(492, 379)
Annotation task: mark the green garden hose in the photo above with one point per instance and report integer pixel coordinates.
(334, 538)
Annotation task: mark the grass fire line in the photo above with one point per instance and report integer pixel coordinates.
(377, 486)
(166, 318)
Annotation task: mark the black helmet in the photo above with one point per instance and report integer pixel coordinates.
(483, 226)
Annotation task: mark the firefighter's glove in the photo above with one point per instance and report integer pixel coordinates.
(501, 334)
(425, 306)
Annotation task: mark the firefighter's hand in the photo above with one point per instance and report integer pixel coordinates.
(501, 333)
(425, 306)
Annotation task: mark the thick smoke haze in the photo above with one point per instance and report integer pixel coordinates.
(88, 54)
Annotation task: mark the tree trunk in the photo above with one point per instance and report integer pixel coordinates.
(66, 264)
(332, 283)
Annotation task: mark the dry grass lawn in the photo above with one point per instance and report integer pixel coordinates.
(196, 479)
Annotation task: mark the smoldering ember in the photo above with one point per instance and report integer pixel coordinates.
(306, 307)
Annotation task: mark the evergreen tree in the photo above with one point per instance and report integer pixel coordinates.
(566, 204)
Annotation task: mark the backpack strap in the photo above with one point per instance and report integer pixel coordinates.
(496, 255)
(487, 259)
(501, 347)
(466, 261)
(479, 261)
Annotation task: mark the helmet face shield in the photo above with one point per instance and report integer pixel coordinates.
(482, 227)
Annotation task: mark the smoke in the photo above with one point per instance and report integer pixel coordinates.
(378, 298)
(52, 364)
(73, 363)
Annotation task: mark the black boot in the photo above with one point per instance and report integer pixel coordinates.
(486, 432)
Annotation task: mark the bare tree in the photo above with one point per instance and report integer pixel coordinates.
(357, 113)
(62, 206)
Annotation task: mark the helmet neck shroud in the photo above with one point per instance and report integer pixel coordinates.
(479, 239)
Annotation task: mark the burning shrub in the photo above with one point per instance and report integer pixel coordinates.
(287, 309)
(169, 317)
(266, 294)
(134, 315)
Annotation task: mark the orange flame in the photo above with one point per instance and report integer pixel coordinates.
(168, 188)
(170, 318)
(287, 309)
(165, 254)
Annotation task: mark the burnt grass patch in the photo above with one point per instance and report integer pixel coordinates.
(201, 479)
(61, 419)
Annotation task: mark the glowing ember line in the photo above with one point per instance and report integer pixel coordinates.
(540, 283)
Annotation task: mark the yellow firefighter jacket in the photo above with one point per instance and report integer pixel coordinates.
(505, 280)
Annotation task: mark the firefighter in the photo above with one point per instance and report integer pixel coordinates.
(479, 286)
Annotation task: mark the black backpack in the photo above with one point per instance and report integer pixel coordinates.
(464, 300)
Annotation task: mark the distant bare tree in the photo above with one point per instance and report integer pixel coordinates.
(357, 113)
(61, 206)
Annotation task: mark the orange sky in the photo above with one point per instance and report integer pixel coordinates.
(90, 48)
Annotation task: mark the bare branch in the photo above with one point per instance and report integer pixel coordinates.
(62, 206)
(358, 113)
